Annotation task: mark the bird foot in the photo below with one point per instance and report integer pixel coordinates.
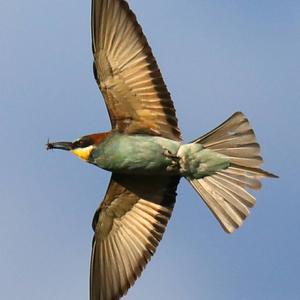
(174, 166)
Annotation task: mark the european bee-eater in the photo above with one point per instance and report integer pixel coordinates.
(147, 158)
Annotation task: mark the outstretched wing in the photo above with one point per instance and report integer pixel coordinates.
(126, 71)
(128, 226)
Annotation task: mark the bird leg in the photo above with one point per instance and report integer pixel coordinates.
(174, 166)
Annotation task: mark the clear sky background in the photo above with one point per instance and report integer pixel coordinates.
(217, 57)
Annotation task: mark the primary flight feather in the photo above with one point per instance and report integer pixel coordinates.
(126, 71)
(147, 159)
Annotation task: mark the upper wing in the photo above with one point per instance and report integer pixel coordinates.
(127, 73)
(128, 226)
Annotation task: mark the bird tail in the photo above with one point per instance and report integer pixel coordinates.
(225, 191)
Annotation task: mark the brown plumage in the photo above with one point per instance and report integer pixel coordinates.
(133, 216)
(126, 69)
(130, 222)
(128, 226)
(224, 192)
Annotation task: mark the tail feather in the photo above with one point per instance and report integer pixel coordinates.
(248, 150)
(224, 212)
(236, 125)
(240, 180)
(224, 192)
(231, 140)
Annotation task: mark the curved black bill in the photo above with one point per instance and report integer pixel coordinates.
(60, 145)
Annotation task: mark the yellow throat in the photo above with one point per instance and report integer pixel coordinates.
(83, 153)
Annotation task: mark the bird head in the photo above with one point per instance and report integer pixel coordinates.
(81, 147)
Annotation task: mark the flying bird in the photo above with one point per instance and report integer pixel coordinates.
(146, 156)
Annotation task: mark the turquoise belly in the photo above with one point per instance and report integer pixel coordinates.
(139, 154)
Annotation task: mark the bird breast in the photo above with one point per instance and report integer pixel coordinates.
(135, 154)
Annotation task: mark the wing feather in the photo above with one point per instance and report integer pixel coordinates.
(126, 71)
(128, 227)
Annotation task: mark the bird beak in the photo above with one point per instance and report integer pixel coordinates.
(68, 146)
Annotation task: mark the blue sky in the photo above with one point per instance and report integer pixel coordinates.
(217, 57)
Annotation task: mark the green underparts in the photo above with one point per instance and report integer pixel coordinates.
(136, 154)
(197, 162)
(148, 155)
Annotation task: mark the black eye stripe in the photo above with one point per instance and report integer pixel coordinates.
(82, 143)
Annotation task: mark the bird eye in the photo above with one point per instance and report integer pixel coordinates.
(77, 144)
(81, 143)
